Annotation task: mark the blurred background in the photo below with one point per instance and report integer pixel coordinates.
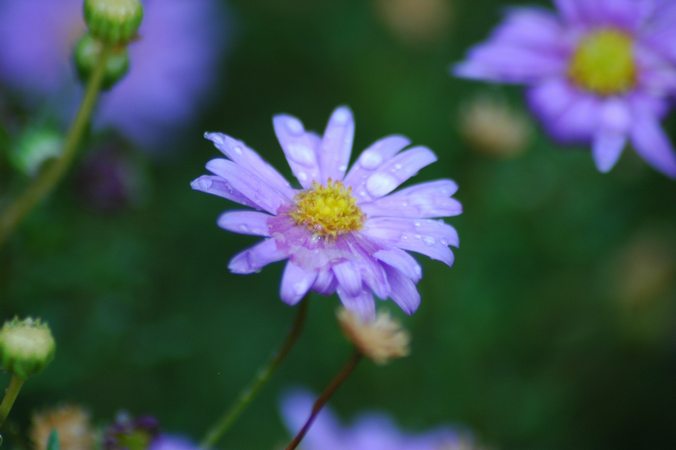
(554, 330)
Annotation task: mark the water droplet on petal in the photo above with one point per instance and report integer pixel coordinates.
(370, 160)
(301, 154)
(300, 287)
(302, 176)
(238, 149)
(380, 184)
(342, 168)
(294, 125)
(417, 224)
(429, 240)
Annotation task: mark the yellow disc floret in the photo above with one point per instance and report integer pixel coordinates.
(604, 63)
(328, 211)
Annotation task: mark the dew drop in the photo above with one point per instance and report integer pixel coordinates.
(370, 160)
(300, 287)
(380, 184)
(417, 224)
(342, 168)
(429, 240)
(238, 149)
(294, 125)
(301, 154)
(302, 176)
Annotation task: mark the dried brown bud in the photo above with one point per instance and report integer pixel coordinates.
(381, 340)
(71, 424)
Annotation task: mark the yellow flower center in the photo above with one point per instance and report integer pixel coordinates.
(328, 211)
(604, 63)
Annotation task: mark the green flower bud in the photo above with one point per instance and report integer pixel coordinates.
(87, 53)
(26, 347)
(34, 147)
(114, 22)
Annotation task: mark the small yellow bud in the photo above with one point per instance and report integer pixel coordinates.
(26, 347)
(381, 340)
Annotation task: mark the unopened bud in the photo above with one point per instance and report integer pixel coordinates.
(26, 347)
(381, 340)
(114, 22)
(87, 54)
(35, 146)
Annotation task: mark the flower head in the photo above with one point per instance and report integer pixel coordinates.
(26, 346)
(381, 340)
(342, 231)
(173, 62)
(598, 73)
(131, 434)
(370, 431)
(71, 424)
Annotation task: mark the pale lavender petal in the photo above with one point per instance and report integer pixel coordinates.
(404, 234)
(296, 282)
(361, 304)
(579, 122)
(550, 100)
(404, 292)
(607, 148)
(425, 200)
(300, 148)
(570, 10)
(349, 278)
(245, 222)
(255, 258)
(239, 153)
(373, 157)
(170, 442)
(336, 145)
(496, 61)
(374, 276)
(394, 172)
(532, 28)
(248, 184)
(326, 283)
(653, 144)
(215, 185)
(425, 229)
(401, 261)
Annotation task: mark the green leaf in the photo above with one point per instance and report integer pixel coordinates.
(53, 441)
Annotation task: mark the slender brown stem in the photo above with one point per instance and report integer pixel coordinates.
(339, 379)
(250, 392)
(50, 175)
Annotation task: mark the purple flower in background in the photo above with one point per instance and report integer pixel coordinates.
(370, 431)
(599, 73)
(172, 64)
(131, 434)
(169, 442)
(343, 231)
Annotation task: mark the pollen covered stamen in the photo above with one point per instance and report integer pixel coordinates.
(603, 62)
(328, 211)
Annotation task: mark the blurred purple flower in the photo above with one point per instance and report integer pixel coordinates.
(170, 442)
(370, 431)
(341, 232)
(599, 73)
(131, 434)
(172, 64)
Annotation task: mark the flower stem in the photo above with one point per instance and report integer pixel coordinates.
(345, 372)
(44, 183)
(250, 392)
(11, 393)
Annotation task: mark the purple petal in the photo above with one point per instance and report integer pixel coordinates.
(607, 148)
(245, 222)
(653, 144)
(336, 145)
(255, 258)
(404, 292)
(579, 122)
(373, 157)
(423, 200)
(326, 283)
(248, 185)
(218, 186)
(239, 153)
(325, 431)
(401, 261)
(300, 148)
(532, 28)
(296, 282)
(551, 99)
(349, 278)
(361, 304)
(431, 238)
(394, 172)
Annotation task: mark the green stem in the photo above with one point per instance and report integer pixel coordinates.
(50, 175)
(11, 393)
(250, 392)
(325, 396)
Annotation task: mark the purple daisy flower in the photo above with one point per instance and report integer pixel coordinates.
(370, 431)
(599, 73)
(172, 64)
(170, 442)
(343, 231)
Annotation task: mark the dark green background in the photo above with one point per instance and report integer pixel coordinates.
(525, 340)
